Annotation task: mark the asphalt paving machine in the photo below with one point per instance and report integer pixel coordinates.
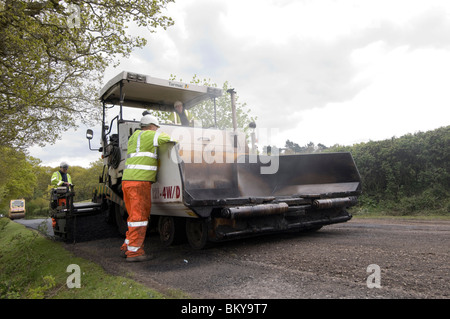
(211, 186)
(80, 221)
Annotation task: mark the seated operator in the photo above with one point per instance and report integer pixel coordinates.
(181, 115)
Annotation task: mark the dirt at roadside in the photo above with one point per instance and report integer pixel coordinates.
(413, 257)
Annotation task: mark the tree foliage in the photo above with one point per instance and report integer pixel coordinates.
(402, 175)
(17, 176)
(52, 56)
(86, 179)
(294, 148)
(410, 173)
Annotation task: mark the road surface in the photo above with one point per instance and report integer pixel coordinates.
(43, 225)
(363, 258)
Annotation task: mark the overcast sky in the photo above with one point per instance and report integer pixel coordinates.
(326, 71)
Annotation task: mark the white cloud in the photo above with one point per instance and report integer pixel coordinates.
(401, 99)
(72, 148)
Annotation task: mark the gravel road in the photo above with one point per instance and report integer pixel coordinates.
(411, 258)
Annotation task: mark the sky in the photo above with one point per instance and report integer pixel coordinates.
(324, 71)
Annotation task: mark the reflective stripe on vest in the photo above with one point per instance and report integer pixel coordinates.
(143, 167)
(145, 154)
(155, 139)
(148, 154)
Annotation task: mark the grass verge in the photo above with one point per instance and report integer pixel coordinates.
(34, 267)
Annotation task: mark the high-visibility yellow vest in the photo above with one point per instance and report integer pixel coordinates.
(174, 117)
(142, 155)
(57, 180)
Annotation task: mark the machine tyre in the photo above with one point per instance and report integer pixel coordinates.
(197, 232)
(171, 230)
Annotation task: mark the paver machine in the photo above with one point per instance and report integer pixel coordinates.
(211, 186)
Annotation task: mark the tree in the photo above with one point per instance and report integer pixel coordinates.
(294, 148)
(86, 179)
(17, 178)
(407, 174)
(52, 56)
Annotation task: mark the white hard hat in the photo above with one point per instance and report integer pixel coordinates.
(148, 119)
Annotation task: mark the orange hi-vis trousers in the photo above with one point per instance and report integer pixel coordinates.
(137, 197)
